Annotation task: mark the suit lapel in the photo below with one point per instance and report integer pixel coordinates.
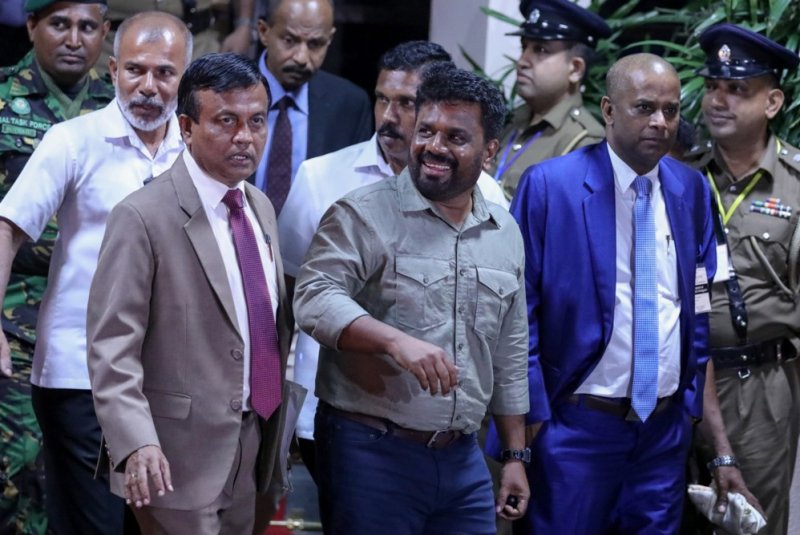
(599, 219)
(198, 229)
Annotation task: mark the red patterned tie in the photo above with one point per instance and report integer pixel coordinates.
(265, 356)
(279, 164)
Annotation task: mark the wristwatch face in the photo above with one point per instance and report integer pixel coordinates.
(517, 455)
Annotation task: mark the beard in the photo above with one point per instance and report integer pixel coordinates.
(128, 108)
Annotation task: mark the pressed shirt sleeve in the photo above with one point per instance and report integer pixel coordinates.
(529, 209)
(337, 266)
(40, 189)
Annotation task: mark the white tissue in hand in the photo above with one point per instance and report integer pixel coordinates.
(740, 518)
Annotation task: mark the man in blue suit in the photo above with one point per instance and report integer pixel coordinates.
(619, 251)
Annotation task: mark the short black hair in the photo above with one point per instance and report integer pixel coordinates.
(444, 82)
(411, 55)
(271, 6)
(219, 72)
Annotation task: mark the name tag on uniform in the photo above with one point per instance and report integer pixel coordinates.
(702, 302)
(723, 272)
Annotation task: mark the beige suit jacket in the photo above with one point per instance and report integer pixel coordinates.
(164, 348)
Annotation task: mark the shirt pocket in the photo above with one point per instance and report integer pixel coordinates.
(421, 292)
(496, 289)
(764, 238)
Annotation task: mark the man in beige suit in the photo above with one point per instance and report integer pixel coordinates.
(185, 354)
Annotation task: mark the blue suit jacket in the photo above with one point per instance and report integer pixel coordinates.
(565, 209)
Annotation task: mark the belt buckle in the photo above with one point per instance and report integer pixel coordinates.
(432, 441)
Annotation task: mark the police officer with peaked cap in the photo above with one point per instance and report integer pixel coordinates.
(755, 316)
(558, 42)
(52, 83)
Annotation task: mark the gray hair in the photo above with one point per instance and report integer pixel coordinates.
(156, 31)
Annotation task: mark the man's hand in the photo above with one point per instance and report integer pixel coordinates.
(238, 40)
(146, 465)
(513, 481)
(430, 364)
(5, 355)
(729, 479)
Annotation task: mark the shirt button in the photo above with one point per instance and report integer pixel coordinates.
(460, 309)
(732, 189)
(765, 235)
(501, 291)
(425, 280)
(236, 354)
(236, 404)
(462, 272)
(460, 347)
(726, 230)
(458, 417)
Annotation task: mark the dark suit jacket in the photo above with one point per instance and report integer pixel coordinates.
(165, 352)
(339, 114)
(565, 209)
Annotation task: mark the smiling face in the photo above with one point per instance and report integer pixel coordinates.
(740, 110)
(642, 115)
(67, 39)
(448, 149)
(228, 139)
(297, 39)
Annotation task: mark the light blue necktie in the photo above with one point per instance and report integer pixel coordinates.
(644, 391)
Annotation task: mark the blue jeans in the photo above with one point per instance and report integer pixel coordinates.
(371, 482)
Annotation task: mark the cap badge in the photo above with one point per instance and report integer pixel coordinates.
(534, 16)
(724, 53)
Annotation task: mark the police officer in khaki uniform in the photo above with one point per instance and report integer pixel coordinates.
(202, 17)
(558, 41)
(755, 317)
(52, 83)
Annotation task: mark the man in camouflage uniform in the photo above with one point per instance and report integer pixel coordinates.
(755, 316)
(52, 83)
(558, 40)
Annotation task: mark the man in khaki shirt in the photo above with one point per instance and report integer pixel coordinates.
(755, 316)
(413, 287)
(558, 40)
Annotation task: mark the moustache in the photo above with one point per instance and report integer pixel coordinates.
(293, 69)
(389, 130)
(427, 157)
(153, 101)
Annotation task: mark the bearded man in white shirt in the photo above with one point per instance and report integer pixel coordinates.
(80, 171)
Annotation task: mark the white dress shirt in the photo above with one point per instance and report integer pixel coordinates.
(319, 183)
(211, 192)
(82, 168)
(612, 375)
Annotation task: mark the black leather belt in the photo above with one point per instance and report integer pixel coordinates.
(432, 439)
(753, 355)
(619, 407)
(196, 20)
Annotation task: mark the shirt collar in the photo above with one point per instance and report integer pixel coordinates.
(371, 158)
(557, 116)
(299, 95)
(767, 164)
(211, 191)
(624, 175)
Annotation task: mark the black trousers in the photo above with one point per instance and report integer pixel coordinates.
(76, 502)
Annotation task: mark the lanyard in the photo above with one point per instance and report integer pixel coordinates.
(503, 167)
(727, 214)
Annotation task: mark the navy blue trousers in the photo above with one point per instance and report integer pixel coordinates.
(76, 502)
(375, 483)
(594, 473)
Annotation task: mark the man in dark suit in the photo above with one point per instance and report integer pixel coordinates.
(312, 112)
(188, 321)
(619, 252)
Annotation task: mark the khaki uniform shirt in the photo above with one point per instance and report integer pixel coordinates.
(568, 126)
(384, 250)
(758, 243)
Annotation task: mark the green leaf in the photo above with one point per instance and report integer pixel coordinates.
(500, 16)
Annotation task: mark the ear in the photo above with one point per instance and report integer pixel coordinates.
(263, 31)
(185, 122)
(577, 68)
(31, 23)
(490, 151)
(112, 69)
(775, 100)
(106, 28)
(330, 35)
(607, 108)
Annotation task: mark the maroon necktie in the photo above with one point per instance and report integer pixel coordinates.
(279, 164)
(265, 356)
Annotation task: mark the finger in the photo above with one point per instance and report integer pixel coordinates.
(443, 376)
(142, 486)
(5, 360)
(421, 376)
(452, 372)
(156, 476)
(432, 378)
(722, 503)
(132, 488)
(166, 473)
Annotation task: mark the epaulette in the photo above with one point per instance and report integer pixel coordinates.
(789, 155)
(699, 155)
(583, 117)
